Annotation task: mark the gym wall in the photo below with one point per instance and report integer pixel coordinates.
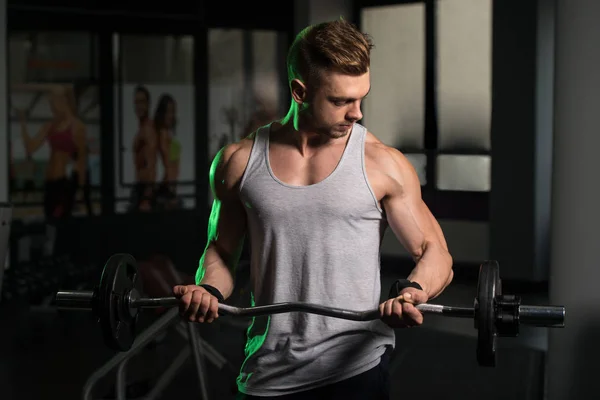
(516, 231)
(468, 240)
(3, 111)
(515, 131)
(166, 53)
(163, 66)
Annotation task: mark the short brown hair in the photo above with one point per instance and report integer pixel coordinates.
(336, 46)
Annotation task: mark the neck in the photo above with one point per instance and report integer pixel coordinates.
(295, 129)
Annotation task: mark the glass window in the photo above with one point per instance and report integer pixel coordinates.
(245, 84)
(52, 57)
(419, 162)
(155, 115)
(54, 152)
(464, 68)
(226, 87)
(395, 109)
(471, 173)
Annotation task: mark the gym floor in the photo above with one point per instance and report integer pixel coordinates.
(45, 354)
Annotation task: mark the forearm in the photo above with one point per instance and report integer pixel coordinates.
(433, 270)
(214, 271)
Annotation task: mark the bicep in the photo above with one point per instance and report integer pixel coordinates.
(227, 224)
(226, 228)
(408, 216)
(410, 221)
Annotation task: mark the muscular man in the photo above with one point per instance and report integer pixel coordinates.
(144, 152)
(314, 193)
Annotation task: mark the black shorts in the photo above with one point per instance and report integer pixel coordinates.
(373, 384)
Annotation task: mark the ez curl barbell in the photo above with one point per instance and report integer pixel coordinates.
(117, 300)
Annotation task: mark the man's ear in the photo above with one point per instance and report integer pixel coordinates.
(298, 89)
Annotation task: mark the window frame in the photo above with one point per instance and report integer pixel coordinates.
(104, 19)
(444, 204)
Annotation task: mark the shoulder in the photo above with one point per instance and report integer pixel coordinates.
(238, 152)
(230, 162)
(389, 160)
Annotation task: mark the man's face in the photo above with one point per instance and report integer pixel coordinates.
(141, 105)
(333, 105)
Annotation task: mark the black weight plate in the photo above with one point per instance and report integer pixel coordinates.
(488, 286)
(118, 325)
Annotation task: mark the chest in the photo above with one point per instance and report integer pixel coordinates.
(316, 192)
(316, 207)
(293, 168)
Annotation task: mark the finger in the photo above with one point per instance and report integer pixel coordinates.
(216, 307)
(204, 306)
(213, 309)
(418, 297)
(184, 303)
(382, 309)
(397, 309)
(192, 312)
(179, 290)
(408, 297)
(412, 315)
(388, 307)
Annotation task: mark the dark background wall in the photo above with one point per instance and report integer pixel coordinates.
(515, 230)
(179, 234)
(510, 223)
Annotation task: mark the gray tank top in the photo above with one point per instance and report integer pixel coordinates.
(315, 244)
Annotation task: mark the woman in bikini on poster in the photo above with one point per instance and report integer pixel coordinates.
(169, 149)
(66, 170)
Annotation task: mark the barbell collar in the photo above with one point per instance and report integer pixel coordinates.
(74, 300)
(546, 316)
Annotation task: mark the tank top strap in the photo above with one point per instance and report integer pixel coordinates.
(354, 154)
(260, 147)
(257, 161)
